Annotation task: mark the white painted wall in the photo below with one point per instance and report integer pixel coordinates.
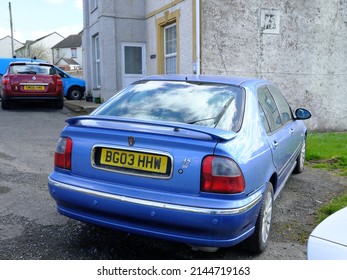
(6, 46)
(185, 34)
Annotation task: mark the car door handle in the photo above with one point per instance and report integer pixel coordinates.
(275, 144)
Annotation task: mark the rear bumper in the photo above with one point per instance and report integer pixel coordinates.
(57, 95)
(33, 97)
(214, 227)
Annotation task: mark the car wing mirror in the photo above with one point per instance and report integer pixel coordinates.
(302, 114)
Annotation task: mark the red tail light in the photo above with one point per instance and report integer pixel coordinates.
(6, 80)
(59, 84)
(59, 81)
(62, 156)
(221, 175)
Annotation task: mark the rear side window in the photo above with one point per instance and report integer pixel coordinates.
(264, 119)
(282, 104)
(269, 109)
(207, 104)
(61, 73)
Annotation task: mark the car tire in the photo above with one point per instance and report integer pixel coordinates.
(5, 104)
(258, 242)
(75, 93)
(300, 161)
(59, 104)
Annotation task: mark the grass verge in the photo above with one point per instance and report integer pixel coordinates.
(328, 151)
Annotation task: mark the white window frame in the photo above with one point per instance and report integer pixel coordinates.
(171, 55)
(97, 60)
(129, 78)
(73, 52)
(93, 5)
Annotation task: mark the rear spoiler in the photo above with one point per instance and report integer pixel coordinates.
(168, 128)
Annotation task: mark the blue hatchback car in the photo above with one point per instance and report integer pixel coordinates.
(192, 159)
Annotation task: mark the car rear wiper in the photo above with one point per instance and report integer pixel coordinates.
(201, 120)
(27, 72)
(221, 113)
(218, 117)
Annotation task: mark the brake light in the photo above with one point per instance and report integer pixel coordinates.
(6, 80)
(59, 84)
(62, 156)
(59, 81)
(221, 175)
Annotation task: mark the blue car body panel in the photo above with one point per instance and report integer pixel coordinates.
(70, 82)
(204, 221)
(174, 208)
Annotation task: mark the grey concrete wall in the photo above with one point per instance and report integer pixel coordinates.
(306, 56)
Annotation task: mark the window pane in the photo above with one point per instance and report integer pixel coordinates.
(31, 69)
(97, 72)
(133, 60)
(286, 112)
(264, 119)
(211, 105)
(97, 48)
(170, 40)
(170, 51)
(73, 52)
(98, 75)
(170, 65)
(269, 107)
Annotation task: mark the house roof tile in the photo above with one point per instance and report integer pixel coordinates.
(72, 41)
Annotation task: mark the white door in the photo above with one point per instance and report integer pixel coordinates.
(134, 62)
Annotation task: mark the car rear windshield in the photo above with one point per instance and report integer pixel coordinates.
(31, 69)
(208, 104)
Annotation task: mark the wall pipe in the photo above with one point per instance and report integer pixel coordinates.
(198, 59)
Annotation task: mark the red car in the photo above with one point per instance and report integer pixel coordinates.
(31, 81)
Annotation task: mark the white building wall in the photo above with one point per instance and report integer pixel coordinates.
(66, 53)
(186, 37)
(79, 57)
(109, 63)
(185, 33)
(47, 43)
(6, 46)
(304, 55)
(50, 40)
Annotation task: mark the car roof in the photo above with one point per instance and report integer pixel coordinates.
(5, 61)
(229, 80)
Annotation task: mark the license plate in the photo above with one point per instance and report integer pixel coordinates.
(134, 160)
(34, 87)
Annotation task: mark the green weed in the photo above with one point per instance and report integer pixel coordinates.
(328, 151)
